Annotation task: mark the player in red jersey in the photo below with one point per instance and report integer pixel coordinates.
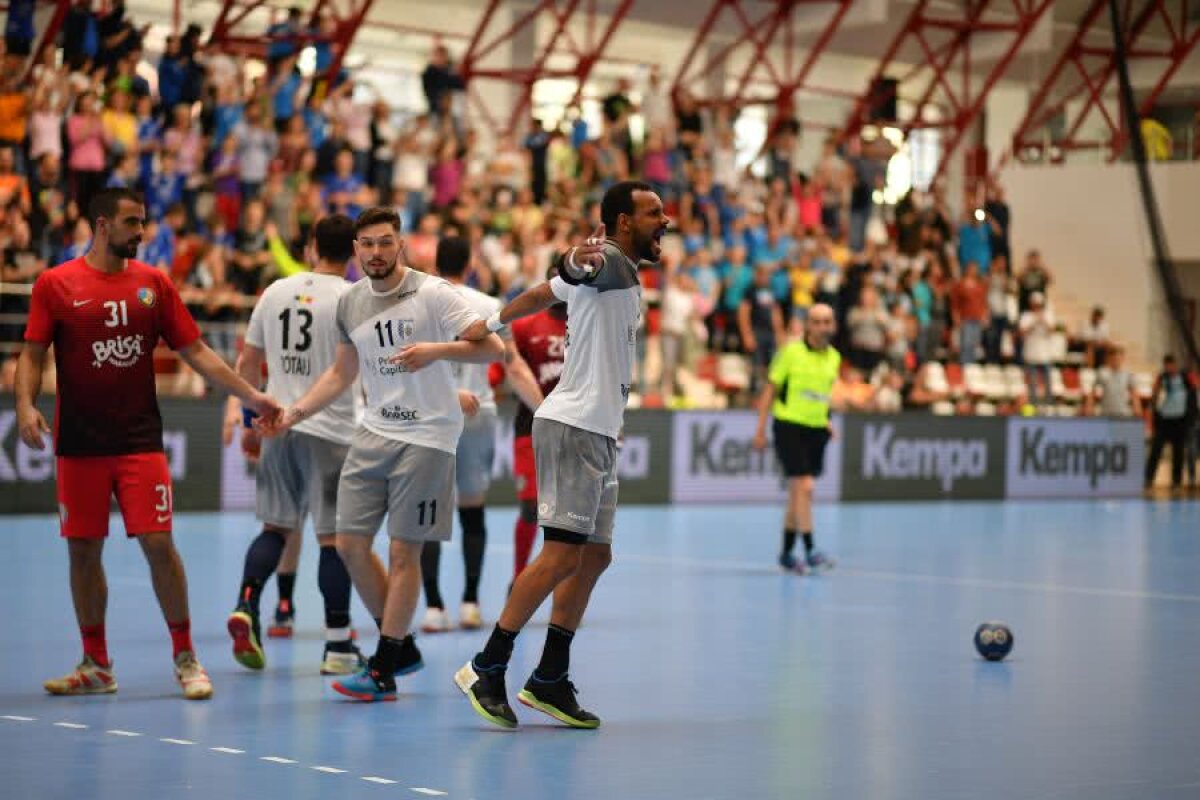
(104, 313)
(541, 340)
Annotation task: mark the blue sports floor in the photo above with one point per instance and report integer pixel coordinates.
(716, 676)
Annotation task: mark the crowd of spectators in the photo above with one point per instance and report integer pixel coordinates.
(236, 170)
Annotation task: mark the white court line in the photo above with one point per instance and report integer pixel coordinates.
(169, 740)
(118, 732)
(984, 583)
(430, 792)
(330, 770)
(15, 718)
(230, 750)
(75, 725)
(383, 781)
(277, 760)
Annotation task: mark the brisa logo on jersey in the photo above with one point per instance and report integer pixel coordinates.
(120, 351)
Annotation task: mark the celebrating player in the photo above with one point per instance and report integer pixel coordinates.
(575, 445)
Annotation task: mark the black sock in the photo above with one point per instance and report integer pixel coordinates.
(808, 544)
(431, 559)
(498, 649)
(379, 623)
(387, 655)
(409, 654)
(474, 540)
(334, 583)
(287, 584)
(261, 560)
(789, 541)
(556, 655)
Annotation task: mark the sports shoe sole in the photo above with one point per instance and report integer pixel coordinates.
(526, 697)
(86, 690)
(279, 632)
(364, 697)
(246, 651)
(465, 679)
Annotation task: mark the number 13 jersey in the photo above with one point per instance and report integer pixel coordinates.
(418, 407)
(295, 324)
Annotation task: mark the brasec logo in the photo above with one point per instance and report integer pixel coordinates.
(891, 457)
(399, 414)
(1043, 455)
(120, 351)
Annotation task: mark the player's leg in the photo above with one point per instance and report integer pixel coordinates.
(325, 459)
(279, 503)
(436, 619)
(784, 437)
(84, 488)
(572, 466)
(285, 581)
(549, 689)
(811, 447)
(526, 527)
(143, 490)
(473, 477)
(420, 491)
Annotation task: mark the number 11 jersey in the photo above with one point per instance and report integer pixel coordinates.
(418, 407)
(295, 324)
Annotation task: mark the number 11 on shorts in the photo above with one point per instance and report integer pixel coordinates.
(432, 512)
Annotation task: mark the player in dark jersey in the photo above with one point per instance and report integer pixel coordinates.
(104, 313)
(541, 341)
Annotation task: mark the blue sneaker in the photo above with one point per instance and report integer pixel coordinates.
(367, 686)
(819, 562)
(789, 563)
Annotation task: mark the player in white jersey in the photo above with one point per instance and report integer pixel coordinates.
(575, 434)
(476, 447)
(293, 333)
(399, 332)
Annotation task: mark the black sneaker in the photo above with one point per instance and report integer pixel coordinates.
(557, 698)
(487, 693)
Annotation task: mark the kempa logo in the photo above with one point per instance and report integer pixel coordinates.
(733, 457)
(944, 460)
(1067, 458)
(399, 414)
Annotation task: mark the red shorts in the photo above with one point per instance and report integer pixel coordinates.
(524, 468)
(86, 484)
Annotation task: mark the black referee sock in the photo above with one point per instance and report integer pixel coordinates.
(808, 543)
(789, 541)
(556, 655)
(261, 560)
(474, 542)
(498, 649)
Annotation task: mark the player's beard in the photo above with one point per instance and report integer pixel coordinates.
(126, 249)
(647, 247)
(378, 272)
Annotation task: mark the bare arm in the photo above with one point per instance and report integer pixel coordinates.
(477, 351)
(743, 321)
(201, 358)
(330, 386)
(250, 365)
(765, 398)
(520, 377)
(528, 303)
(30, 422)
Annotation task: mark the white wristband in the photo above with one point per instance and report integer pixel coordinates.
(493, 322)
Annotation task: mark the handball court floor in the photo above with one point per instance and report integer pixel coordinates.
(716, 676)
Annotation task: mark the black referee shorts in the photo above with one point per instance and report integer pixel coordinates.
(800, 448)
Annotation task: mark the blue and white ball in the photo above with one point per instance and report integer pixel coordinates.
(994, 640)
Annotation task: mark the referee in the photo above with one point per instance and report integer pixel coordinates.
(797, 393)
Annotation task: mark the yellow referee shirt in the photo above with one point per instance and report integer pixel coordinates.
(803, 380)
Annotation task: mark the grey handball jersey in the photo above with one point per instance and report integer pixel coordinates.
(603, 319)
(416, 407)
(293, 323)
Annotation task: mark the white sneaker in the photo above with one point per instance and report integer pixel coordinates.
(192, 677)
(436, 621)
(342, 663)
(469, 616)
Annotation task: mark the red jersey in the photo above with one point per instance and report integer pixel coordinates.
(104, 329)
(541, 340)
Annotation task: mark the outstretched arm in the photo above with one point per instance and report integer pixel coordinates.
(327, 388)
(520, 377)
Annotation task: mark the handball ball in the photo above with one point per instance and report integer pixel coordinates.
(993, 640)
